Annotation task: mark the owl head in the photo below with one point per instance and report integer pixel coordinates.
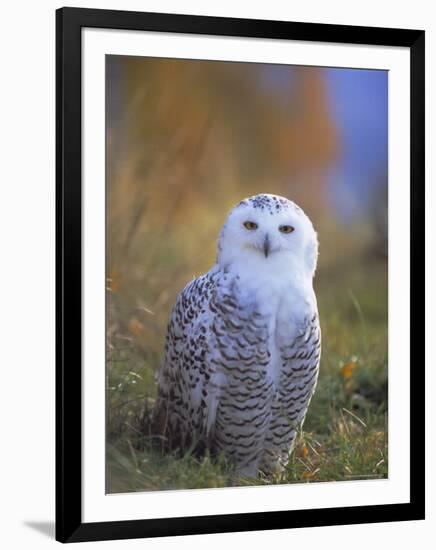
(269, 232)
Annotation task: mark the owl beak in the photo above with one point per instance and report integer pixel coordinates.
(266, 246)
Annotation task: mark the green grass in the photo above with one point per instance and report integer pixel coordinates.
(344, 436)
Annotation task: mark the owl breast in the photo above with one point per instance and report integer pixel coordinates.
(254, 330)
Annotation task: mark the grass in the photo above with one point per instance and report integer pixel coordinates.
(344, 436)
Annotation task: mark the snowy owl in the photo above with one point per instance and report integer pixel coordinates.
(243, 342)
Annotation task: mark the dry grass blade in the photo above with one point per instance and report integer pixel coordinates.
(355, 417)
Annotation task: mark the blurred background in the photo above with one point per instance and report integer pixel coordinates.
(186, 141)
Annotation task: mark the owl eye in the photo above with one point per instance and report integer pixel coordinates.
(250, 225)
(286, 228)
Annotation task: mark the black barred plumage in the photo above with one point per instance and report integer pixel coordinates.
(243, 343)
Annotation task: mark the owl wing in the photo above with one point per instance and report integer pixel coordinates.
(299, 357)
(187, 393)
(300, 360)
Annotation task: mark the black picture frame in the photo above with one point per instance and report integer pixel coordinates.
(69, 22)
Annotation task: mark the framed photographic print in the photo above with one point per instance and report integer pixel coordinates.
(240, 274)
